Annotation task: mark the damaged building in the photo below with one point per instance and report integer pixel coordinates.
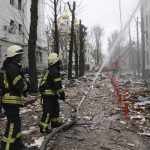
(145, 5)
(14, 29)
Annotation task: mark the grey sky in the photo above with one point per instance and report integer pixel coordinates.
(106, 13)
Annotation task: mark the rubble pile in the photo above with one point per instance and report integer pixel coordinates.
(100, 123)
(139, 108)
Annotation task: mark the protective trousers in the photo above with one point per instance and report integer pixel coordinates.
(12, 136)
(50, 112)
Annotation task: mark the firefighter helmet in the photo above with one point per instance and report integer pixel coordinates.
(53, 58)
(14, 50)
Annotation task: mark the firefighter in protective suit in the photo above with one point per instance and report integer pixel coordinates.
(11, 99)
(51, 90)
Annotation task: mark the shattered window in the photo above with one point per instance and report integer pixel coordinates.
(146, 38)
(0, 51)
(19, 4)
(12, 27)
(40, 54)
(37, 56)
(20, 29)
(146, 21)
(147, 59)
(11, 2)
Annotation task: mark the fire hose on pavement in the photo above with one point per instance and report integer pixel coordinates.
(73, 119)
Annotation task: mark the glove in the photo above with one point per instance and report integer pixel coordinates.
(24, 94)
(62, 96)
(28, 86)
(27, 90)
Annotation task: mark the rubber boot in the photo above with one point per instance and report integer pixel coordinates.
(42, 130)
(18, 145)
(56, 124)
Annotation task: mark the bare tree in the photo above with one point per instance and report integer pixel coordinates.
(72, 10)
(97, 33)
(56, 36)
(115, 58)
(55, 8)
(138, 55)
(143, 40)
(32, 47)
(131, 54)
(83, 34)
(76, 55)
(112, 39)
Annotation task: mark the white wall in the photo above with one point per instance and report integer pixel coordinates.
(9, 12)
(147, 33)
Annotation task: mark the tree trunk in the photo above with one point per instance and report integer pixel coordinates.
(143, 42)
(138, 57)
(56, 36)
(76, 56)
(131, 57)
(32, 47)
(81, 58)
(71, 41)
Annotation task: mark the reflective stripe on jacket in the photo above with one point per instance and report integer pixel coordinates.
(10, 99)
(48, 92)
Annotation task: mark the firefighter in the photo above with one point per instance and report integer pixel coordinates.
(15, 85)
(51, 90)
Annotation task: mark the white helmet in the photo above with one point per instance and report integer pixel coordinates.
(53, 58)
(14, 50)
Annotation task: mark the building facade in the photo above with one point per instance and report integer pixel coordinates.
(14, 29)
(146, 15)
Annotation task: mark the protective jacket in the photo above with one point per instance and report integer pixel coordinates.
(15, 84)
(51, 84)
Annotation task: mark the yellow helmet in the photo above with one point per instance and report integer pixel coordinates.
(14, 50)
(53, 58)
